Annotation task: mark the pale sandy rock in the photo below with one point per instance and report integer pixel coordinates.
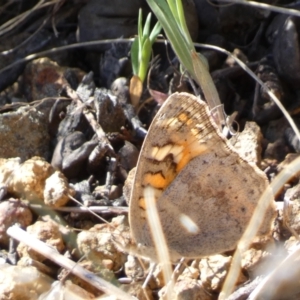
(57, 189)
(47, 232)
(133, 267)
(214, 270)
(93, 267)
(187, 289)
(108, 264)
(248, 143)
(35, 180)
(291, 211)
(158, 276)
(12, 212)
(135, 289)
(97, 243)
(190, 272)
(29, 181)
(253, 261)
(29, 262)
(67, 291)
(7, 168)
(22, 283)
(190, 289)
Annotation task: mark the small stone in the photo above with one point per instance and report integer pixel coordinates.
(57, 190)
(29, 182)
(44, 78)
(43, 268)
(136, 290)
(291, 212)
(129, 155)
(12, 212)
(253, 261)
(213, 270)
(248, 143)
(97, 244)
(158, 276)
(67, 290)
(24, 133)
(114, 192)
(185, 289)
(108, 264)
(133, 267)
(22, 283)
(190, 272)
(277, 150)
(47, 232)
(7, 168)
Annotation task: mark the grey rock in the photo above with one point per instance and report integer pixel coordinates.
(24, 134)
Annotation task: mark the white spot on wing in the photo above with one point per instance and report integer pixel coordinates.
(188, 224)
(160, 153)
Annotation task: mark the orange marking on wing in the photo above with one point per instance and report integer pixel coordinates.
(189, 122)
(142, 203)
(159, 181)
(190, 151)
(182, 117)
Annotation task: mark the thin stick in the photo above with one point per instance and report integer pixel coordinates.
(50, 253)
(259, 81)
(288, 11)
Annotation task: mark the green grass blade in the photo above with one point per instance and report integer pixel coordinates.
(170, 14)
(134, 53)
(140, 29)
(146, 31)
(173, 8)
(184, 28)
(146, 53)
(171, 28)
(155, 32)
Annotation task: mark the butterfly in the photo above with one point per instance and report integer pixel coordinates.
(204, 191)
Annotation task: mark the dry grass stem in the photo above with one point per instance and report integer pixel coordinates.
(47, 251)
(251, 230)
